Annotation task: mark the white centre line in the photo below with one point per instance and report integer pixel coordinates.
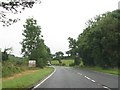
(106, 87)
(93, 80)
(87, 77)
(79, 73)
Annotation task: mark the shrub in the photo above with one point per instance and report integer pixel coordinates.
(71, 64)
(11, 67)
(81, 63)
(63, 64)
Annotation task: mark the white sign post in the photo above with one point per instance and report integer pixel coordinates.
(32, 63)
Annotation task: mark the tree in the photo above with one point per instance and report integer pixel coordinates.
(74, 50)
(32, 37)
(14, 7)
(33, 44)
(5, 54)
(68, 53)
(59, 56)
(72, 46)
(99, 43)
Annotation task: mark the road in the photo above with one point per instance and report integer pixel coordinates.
(68, 77)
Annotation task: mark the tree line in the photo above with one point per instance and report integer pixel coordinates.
(98, 45)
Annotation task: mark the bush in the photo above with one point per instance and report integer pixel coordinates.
(40, 63)
(63, 64)
(81, 63)
(71, 64)
(13, 66)
(77, 61)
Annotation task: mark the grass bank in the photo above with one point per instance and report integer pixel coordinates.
(113, 71)
(26, 79)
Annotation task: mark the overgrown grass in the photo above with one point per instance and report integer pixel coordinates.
(114, 71)
(0, 83)
(65, 62)
(27, 80)
(14, 65)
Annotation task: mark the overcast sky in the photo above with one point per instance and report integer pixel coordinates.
(59, 19)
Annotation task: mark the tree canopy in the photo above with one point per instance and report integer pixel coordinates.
(14, 7)
(99, 43)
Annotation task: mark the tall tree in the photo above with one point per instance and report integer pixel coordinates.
(59, 56)
(33, 44)
(32, 37)
(72, 46)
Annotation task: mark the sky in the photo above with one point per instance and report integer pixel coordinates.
(59, 19)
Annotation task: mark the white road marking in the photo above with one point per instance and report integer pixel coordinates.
(45, 79)
(79, 73)
(87, 77)
(98, 83)
(106, 87)
(93, 80)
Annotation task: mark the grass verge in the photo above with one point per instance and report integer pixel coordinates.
(26, 80)
(114, 71)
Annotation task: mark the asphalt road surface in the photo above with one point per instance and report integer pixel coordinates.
(68, 77)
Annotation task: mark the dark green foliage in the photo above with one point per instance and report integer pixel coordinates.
(59, 56)
(68, 53)
(77, 61)
(72, 64)
(72, 46)
(73, 50)
(40, 63)
(99, 43)
(63, 64)
(4, 56)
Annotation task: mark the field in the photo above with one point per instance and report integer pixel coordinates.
(26, 79)
(66, 62)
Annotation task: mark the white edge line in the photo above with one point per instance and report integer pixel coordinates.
(45, 79)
